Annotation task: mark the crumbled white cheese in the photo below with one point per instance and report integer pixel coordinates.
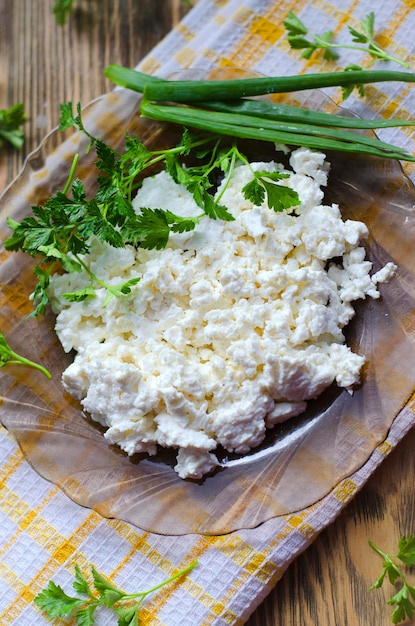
(232, 327)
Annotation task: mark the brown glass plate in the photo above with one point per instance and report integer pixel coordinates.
(300, 461)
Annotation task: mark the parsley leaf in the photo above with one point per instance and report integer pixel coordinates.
(56, 603)
(362, 40)
(264, 183)
(69, 119)
(406, 594)
(215, 210)
(297, 30)
(346, 91)
(7, 355)
(67, 116)
(59, 233)
(10, 122)
(406, 550)
(197, 179)
(368, 26)
(40, 294)
(151, 227)
(62, 9)
(254, 191)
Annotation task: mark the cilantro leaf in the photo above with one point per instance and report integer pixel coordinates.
(176, 170)
(197, 179)
(10, 122)
(151, 229)
(68, 118)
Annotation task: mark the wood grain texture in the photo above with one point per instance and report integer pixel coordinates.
(43, 65)
(328, 585)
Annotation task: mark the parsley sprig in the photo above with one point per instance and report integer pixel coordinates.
(9, 356)
(11, 121)
(60, 232)
(62, 9)
(363, 40)
(404, 597)
(56, 603)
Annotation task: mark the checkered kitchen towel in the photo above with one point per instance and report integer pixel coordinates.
(43, 533)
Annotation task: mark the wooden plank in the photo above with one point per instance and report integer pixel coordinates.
(328, 585)
(42, 65)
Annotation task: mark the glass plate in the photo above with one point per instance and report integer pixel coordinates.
(300, 461)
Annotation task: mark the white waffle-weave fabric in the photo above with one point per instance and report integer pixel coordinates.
(42, 533)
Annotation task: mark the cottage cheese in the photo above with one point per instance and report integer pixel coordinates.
(232, 327)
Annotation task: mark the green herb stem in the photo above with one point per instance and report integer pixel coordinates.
(16, 359)
(381, 553)
(143, 594)
(9, 356)
(374, 50)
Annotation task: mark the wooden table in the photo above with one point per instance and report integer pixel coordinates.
(43, 65)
